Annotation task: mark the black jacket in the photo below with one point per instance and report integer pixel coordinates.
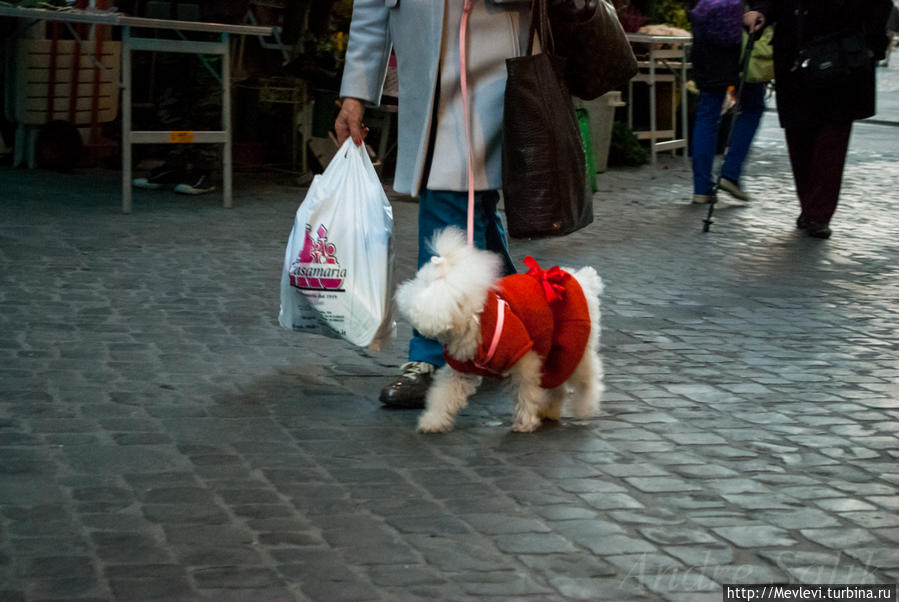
(714, 65)
(798, 107)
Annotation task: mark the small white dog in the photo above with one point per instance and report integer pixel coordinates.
(540, 328)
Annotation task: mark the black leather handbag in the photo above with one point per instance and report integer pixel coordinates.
(544, 175)
(599, 57)
(832, 60)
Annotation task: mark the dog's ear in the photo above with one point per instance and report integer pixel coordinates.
(428, 303)
(467, 267)
(446, 241)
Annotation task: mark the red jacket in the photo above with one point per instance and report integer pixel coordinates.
(546, 311)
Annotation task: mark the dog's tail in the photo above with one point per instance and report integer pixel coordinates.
(589, 281)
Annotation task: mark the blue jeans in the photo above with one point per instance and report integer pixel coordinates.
(438, 209)
(705, 134)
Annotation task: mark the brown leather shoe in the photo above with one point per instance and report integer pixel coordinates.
(409, 389)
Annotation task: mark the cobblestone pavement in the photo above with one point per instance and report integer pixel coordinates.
(161, 438)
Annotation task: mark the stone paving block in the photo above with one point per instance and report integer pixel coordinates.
(381, 552)
(236, 577)
(703, 555)
(561, 512)
(295, 538)
(705, 472)
(668, 535)
(887, 501)
(187, 514)
(570, 565)
(737, 486)
(756, 536)
(534, 543)
(757, 573)
(606, 588)
(661, 484)
(460, 553)
(202, 554)
(24, 489)
(692, 501)
(635, 470)
(618, 544)
(648, 516)
(638, 565)
(493, 524)
(875, 558)
(404, 577)
(844, 505)
(691, 582)
(505, 584)
(830, 574)
(129, 548)
(610, 501)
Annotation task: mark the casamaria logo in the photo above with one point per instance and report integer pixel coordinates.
(317, 266)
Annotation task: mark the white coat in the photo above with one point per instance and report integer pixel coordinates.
(417, 30)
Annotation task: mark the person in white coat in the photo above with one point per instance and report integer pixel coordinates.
(432, 156)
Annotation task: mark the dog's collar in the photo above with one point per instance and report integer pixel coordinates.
(497, 334)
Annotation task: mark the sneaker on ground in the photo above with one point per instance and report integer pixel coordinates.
(164, 176)
(731, 188)
(197, 184)
(704, 198)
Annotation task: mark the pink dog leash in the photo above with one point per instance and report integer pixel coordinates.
(463, 77)
(463, 68)
(497, 334)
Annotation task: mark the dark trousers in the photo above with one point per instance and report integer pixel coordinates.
(817, 156)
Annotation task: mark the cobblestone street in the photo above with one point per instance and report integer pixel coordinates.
(162, 438)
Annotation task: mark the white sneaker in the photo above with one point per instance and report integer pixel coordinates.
(733, 190)
(145, 184)
(199, 184)
(165, 175)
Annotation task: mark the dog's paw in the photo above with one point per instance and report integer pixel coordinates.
(527, 424)
(553, 411)
(432, 422)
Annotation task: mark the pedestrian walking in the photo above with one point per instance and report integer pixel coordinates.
(432, 159)
(817, 114)
(716, 67)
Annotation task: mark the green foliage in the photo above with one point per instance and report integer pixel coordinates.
(672, 12)
(625, 149)
(41, 3)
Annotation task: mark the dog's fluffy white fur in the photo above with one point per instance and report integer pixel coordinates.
(444, 301)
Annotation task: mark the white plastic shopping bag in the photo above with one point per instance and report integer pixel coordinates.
(337, 278)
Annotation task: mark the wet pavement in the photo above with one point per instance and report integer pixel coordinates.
(162, 438)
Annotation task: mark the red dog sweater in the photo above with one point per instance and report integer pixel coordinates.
(543, 310)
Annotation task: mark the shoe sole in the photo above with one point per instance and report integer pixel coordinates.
(185, 189)
(146, 185)
(733, 191)
(411, 405)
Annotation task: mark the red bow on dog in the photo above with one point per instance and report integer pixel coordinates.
(552, 280)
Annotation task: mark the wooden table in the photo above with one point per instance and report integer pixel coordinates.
(131, 42)
(666, 62)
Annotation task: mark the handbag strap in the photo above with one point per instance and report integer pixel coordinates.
(540, 18)
(800, 18)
